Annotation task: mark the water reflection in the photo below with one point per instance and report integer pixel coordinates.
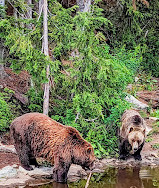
(129, 178)
(59, 185)
(115, 178)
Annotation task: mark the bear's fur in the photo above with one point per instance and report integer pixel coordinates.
(132, 135)
(37, 135)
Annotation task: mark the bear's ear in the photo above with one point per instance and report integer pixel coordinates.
(89, 150)
(131, 129)
(144, 131)
(137, 119)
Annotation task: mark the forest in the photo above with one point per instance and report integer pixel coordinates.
(95, 49)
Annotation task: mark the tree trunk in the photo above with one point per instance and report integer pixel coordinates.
(29, 13)
(46, 52)
(29, 9)
(40, 6)
(84, 5)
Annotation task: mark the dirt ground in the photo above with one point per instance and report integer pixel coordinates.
(8, 159)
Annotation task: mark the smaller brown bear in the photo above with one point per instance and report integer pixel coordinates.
(37, 135)
(132, 135)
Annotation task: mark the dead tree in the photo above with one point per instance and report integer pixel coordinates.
(46, 52)
(84, 5)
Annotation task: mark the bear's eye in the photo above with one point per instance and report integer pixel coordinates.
(139, 141)
(89, 150)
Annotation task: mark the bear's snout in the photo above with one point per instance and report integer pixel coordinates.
(89, 166)
(92, 166)
(135, 146)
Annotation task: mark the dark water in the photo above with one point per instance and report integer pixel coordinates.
(115, 178)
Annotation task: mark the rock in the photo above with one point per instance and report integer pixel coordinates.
(76, 172)
(154, 155)
(136, 103)
(7, 148)
(151, 97)
(21, 180)
(148, 129)
(129, 87)
(22, 170)
(42, 172)
(136, 79)
(45, 172)
(154, 119)
(8, 172)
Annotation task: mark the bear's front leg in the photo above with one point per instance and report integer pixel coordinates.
(60, 174)
(60, 171)
(123, 150)
(137, 155)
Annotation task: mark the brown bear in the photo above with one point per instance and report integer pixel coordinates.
(132, 135)
(37, 135)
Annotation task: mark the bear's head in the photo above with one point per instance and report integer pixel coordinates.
(83, 155)
(82, 151)
(136, 137)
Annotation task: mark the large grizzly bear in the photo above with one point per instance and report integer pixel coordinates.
(37, 135)
(132, 135)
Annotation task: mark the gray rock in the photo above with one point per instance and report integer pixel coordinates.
(7, 148)
(136, 103)
(76, 172)
(15, 182)
(8, 172)
(154, 119)
(37, 172)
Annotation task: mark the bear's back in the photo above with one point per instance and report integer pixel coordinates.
(131, 118)
(37, 120)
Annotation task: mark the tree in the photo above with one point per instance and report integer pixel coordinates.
(29, 12)
(46, 52)
(84, 6)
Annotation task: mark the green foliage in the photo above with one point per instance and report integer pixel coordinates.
(155, 146)
(6, 115)
(2, 12)
(155, 113)
(90, 96)
(136, 27)
(148, 139)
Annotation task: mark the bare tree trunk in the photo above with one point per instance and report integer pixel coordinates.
(46, 52)
(84, 5)
(29, 13)
(29, 9)
(40, 6)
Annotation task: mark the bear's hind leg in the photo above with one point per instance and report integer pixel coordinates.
(22, 151)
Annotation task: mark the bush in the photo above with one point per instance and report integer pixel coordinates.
(6, 115)
(89, 93)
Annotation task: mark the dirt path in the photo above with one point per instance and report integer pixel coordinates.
(8, 159)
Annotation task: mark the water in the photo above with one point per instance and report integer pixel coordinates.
(145, 177)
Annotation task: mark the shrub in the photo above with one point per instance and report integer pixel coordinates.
(6, 115)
